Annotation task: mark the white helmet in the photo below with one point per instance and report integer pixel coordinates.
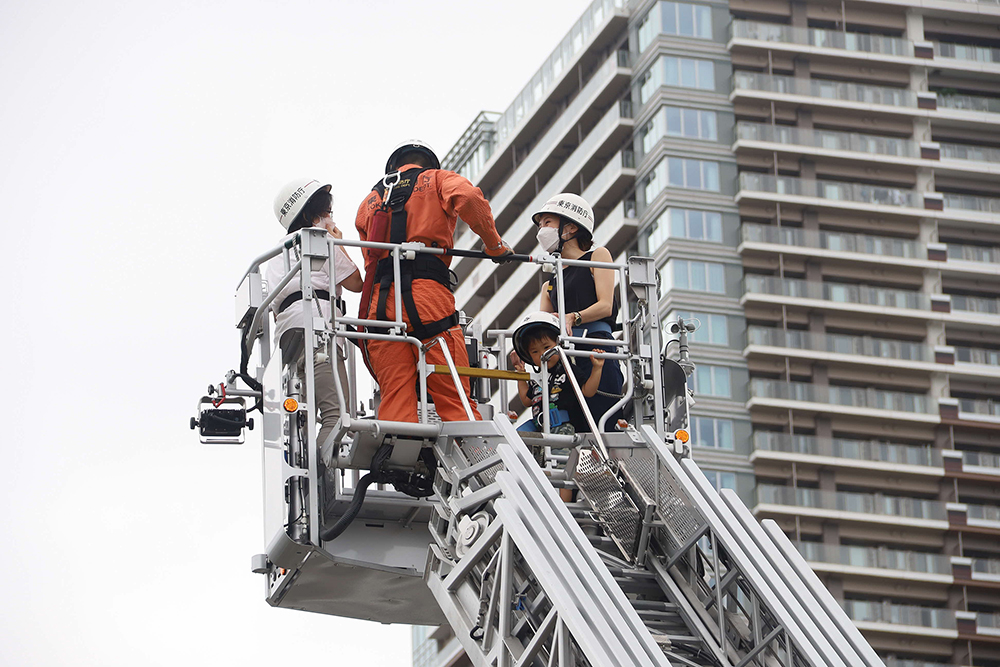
(573, 208)
(292, 197)
(411, 146)
(539, 319)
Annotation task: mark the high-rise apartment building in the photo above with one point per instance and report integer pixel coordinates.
(820, 183)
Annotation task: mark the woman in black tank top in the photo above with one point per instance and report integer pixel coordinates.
(565, 225)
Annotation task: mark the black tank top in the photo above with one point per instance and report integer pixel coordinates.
(581, 292)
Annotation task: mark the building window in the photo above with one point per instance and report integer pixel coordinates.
(712, 380)
(652, 132)
(693, 174)
(712, 329)
(686, 20)
(695, 225)
(647, 28)
(698, 276)
(683, 223)
(720, 479)
(470, 168)
(710, 432)
(679, 72)
(679, 172)
(689, 73)
(675, 18)
(678, 122)
(690, 123)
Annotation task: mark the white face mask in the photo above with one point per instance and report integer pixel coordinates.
(548, 238)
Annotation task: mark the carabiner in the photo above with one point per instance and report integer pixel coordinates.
(389, 185)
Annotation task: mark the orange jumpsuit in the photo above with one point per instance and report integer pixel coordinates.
(438, 197)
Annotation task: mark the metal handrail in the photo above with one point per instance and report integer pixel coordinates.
(339, 324)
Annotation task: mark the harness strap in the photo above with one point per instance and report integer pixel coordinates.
(320, 294)
(422, 267)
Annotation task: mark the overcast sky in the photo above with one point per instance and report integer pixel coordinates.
(140, 151)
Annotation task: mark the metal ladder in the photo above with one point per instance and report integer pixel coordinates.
(689, 579)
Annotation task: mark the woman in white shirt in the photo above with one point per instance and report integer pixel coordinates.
(307, 203)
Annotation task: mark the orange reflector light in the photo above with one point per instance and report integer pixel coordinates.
(622, 424)
(290, 405)
(682, 435)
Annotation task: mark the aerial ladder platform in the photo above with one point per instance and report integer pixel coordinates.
(461, 523)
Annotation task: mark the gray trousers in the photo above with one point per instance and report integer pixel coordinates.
(326, 389)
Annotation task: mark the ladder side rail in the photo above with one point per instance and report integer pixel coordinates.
(791, 579)
(471, 602)
(743, 560)
(580, 606)
(626, 319)
(346, 407)
(267, 255)
(604, 590)
(545, 493)
(757, 569)
(821, 593)
(251, 334)
(695, 617)
(501, 336)
(316, 252)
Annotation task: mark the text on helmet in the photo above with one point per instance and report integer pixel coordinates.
(292, 198)
(562, 203)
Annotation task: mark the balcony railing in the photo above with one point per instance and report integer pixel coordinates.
(973, 153)
(981, 460)
(849, 501)
(839, 344)
(988, 620)
(989, 566)
(968, 103)
(983, 512)
(900, 614)
(972, 203)
(975, 304)
(977, 355)
(855, 397)
(845, 448)
(828, 139)
(834, 190)
(836, 241)
(876, 557)
(974, 253)
(830, 39)
(978, 406)
(983, 54)
(836, 292)
(830, 90)
(579, 36)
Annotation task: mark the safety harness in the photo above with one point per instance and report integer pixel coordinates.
(395, 194)
(320, 294)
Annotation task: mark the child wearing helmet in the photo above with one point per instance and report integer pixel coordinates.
(536, 335)
(566, 226)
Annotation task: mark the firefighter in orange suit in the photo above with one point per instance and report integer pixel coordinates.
(424, 203)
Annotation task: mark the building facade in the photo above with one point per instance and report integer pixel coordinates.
(820, 185)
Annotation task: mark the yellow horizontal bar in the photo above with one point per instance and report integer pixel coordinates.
(497, 374)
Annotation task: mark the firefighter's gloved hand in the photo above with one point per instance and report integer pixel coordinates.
(500, 254)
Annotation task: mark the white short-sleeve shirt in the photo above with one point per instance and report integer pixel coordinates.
(292, 317)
